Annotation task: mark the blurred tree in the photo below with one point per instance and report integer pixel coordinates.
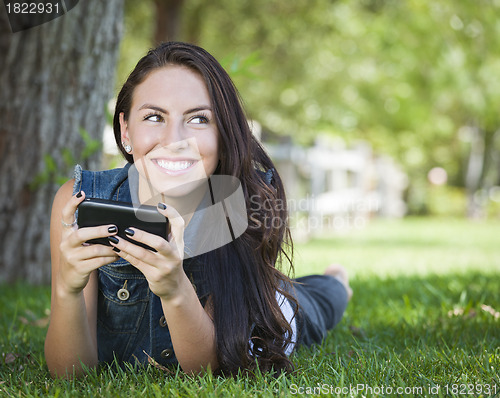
(416, 78)
(138, 34)
(56, 79)
(147, 23)
(435, 84)
(168, 19)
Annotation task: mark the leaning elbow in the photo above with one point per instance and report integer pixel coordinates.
(64, 368)
(66, 372)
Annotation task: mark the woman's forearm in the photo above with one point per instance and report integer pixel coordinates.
(70, 342)
(191, 329)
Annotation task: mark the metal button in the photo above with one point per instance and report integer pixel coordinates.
(123, 294)
(167, 353)
(163, 322)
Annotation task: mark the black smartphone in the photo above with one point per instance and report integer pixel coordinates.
(93, 212)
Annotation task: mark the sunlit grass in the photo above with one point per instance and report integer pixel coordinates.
(414, 246)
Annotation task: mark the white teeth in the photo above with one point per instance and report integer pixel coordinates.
(174, 166)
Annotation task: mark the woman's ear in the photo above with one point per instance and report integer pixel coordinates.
(124, 129)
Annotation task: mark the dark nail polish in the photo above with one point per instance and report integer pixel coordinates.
(115, 249)
(112, 229)
(129, 232)
(162, 206)
(79, 194)
(113, 239)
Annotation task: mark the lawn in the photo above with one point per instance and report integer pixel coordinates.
(424, 321)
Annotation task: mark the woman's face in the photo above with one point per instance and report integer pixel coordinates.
(172, 131)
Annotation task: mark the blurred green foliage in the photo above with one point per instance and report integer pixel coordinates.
(446, 201)
(414, 78)
(54, 172)
(137, 39)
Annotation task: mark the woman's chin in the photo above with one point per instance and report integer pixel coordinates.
(186, 190)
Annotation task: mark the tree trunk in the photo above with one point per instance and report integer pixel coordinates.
(168, 20)
(475, 170)
(55, 82)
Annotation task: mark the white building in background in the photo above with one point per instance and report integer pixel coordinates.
(338, 187)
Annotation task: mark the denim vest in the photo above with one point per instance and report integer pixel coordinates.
(130, 321)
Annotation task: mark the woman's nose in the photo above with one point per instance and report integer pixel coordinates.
(173, 137)
(177, 145)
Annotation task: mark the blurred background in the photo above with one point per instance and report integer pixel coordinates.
(405, 95)
(369, 108)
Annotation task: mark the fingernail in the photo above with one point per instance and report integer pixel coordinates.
(129, 232)
(162, 206)
(112, 229)
(115, 249)
(79, 194)
(113, 239)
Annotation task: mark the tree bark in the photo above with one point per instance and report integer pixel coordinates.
(168, 20)
(55, 82)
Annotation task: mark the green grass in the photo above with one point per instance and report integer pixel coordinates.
(425, 316)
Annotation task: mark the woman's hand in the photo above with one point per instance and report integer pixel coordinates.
(78, 259)
(163, 268)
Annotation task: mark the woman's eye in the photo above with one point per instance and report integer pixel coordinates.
(199, 120)
(153, 118)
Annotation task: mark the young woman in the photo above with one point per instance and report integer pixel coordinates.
(226, 306)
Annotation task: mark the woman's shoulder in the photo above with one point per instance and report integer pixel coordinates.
(61, 198)
(79, 172)
(102, 183)
(64, 192)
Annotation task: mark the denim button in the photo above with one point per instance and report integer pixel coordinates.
(167, 353)
(123, 294)
(163, 322)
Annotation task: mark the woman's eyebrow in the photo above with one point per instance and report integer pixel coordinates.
(198, 109)
(160, 109)
(153, 107)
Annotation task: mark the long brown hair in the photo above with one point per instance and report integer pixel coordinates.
(242, 276)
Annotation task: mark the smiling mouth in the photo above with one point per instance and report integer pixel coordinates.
(174, 166)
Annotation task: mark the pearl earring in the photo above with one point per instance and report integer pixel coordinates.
(127, 148)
